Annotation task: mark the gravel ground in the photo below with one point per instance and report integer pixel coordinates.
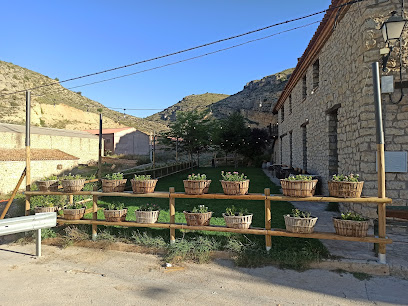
(82, 276)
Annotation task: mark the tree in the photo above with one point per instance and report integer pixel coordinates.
(255, 144)
(232, 134)
(189, 132)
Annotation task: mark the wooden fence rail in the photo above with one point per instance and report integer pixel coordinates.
(267, 231)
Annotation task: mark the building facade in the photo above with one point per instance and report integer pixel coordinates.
(326, 112)
(126, 140)
(77, 143)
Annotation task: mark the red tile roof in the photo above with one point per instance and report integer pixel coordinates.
(311, 53)
(108, 131)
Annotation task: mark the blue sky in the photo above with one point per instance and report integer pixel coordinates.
(66, 39)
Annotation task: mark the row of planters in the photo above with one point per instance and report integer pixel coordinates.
(348, 224)
(149, 213)
(233, 183)
(341, 186)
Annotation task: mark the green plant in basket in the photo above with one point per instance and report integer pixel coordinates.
(346, 178)
(202, 209)
(233, 211)
(142, 177)
(233, 176)
(300, 214)
(75, 206)
(50, 178)
(352, 216)
(148, 207)
(299, 177)
(197, 177)
(116, 206)
(71, 177)
(114, 176)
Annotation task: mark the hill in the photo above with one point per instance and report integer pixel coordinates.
(189, 103)
(255, 102)
(57, 107)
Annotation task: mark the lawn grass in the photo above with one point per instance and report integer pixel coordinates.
(291, 252)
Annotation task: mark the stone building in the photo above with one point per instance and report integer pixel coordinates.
(126, 140)
(77, 143)
(326, 112)
(53, 151)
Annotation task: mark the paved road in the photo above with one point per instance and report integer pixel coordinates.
(80, 276)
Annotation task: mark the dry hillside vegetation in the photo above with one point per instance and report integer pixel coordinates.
(55, 106)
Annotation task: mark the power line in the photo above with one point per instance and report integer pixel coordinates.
(189, 49)
(185, 60)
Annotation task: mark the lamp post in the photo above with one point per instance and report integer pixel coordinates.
(392, 30)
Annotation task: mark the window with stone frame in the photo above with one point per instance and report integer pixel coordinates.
(316, 68)
(290, 104)
(283, 113)
(304, 88)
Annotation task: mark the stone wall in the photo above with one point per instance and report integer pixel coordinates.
(345, 95)
(86, 149)
(11, 171)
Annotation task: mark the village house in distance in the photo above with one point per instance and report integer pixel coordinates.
(53, 152)
(125, 140)
(326, 112)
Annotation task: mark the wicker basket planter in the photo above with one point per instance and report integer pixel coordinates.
(238, 221)
(350, 227)
(235, 187)
(39, 209)
(298, 188)
(146, 186)
(45, 186)
(345, 189)
(300, 225)
(196, 186)
(197, 219)
(113, 185)
(115, 215)
(74, 214)
(147, 216)
(73, 185)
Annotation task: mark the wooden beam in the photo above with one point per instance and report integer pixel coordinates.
(220, 196)
(212, 228)
(6, 208)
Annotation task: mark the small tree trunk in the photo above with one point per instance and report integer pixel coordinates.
(198, 158)
(235, 159)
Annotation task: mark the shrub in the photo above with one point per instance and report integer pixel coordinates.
(114, 176)
(299, 177)
(197, 177)
(346, 178)
(149, 207)
(233, 211)
(142, 177)
(352, 216)
(233, 177)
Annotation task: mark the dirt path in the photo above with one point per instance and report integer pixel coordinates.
(80, 276)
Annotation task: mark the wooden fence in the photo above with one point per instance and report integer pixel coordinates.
(157, 173)
(267, 198)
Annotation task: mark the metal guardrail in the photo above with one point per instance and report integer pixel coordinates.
(29, 223)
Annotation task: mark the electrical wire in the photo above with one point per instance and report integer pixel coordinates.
(189, 49)
(184, 60)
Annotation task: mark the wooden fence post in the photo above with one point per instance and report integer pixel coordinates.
(94, 216)
(3, 214)
(172, 201)
(268, 239)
